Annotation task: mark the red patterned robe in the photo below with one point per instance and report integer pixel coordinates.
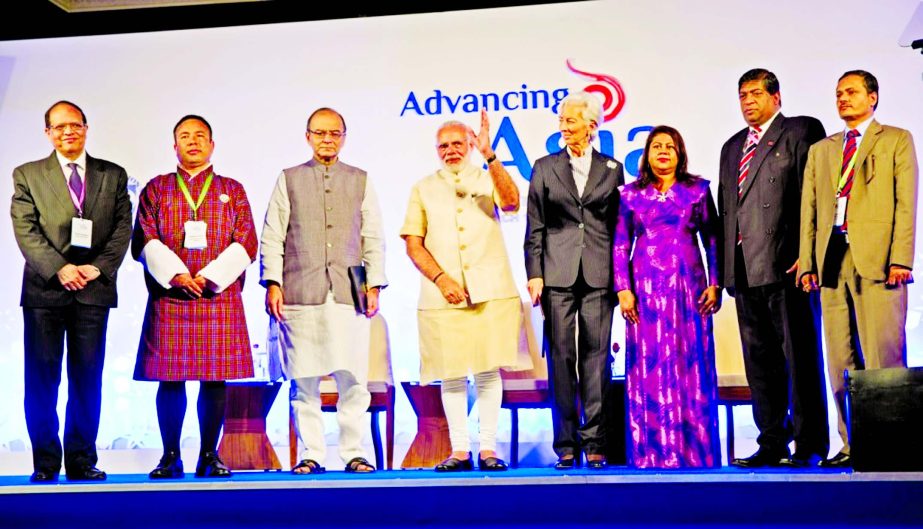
(204, 338)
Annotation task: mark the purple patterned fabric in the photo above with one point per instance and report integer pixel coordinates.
(670, 354)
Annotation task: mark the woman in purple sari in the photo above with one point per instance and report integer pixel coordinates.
(667, 300)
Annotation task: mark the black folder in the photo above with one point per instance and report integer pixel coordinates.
(359, 287)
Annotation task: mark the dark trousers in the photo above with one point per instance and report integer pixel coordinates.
(585, 358)
(83, 327)
(783, 360)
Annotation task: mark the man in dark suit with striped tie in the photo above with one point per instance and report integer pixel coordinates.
(72, 220)
(573, 207)
(759, 200)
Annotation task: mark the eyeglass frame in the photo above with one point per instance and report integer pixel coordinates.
(62, 128)
(334, 134)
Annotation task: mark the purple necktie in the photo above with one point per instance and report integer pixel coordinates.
(74, 181)
(76, 185)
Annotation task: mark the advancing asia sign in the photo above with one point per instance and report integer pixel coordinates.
(527, 99)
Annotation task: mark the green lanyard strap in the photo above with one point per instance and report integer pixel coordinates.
(194, 205)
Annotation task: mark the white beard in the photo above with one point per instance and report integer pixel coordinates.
(456, 168)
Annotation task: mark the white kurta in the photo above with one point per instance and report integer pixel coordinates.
(316, 340)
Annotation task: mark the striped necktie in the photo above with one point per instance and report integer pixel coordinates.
(848, 169)
(744, 167)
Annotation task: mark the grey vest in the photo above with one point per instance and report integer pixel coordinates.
(324, 231)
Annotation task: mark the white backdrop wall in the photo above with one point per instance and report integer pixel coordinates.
(678, 63)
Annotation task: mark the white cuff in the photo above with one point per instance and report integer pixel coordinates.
(161, 262)
(227, 267)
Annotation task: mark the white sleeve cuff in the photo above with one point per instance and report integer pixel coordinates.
(227, 267)
(161, 262)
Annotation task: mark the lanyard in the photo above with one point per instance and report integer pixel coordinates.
(182, 187)
(849, 169)
(850, 166)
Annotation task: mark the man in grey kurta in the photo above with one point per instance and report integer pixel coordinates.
(323, 217)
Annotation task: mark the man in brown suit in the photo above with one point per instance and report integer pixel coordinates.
(858, 217)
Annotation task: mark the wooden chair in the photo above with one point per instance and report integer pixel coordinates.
(733, 389)
(381, 387)
(527, 388)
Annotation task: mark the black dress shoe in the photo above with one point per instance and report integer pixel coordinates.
(491, 464)
(840, 460)
(762, 458)
(170, 467)
(453, 464)
(596, 464)
(211, 466)
(566, 463)
(43, 476)
(86, 473)
(800, 460)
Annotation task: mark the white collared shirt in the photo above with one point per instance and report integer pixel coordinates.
(81, 162)
(765, 126)
(580, 168)
(861, 128)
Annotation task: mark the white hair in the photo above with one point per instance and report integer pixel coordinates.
(453, 124)
(592, 107)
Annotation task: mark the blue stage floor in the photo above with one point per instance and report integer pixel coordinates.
(535, 498)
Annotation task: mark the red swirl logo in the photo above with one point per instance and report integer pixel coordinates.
(606, 86)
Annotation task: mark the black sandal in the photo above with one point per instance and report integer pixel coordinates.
(491, 464)
(312, 466)
(454, 464)
(356, 462)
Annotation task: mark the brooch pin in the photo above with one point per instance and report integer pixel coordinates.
(612, 164)
(224, 198)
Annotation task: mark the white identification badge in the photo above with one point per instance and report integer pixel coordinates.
(195, 235)
(81, 232)
(840, 216)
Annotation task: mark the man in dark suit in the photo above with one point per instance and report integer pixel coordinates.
(573, 206)
(759, 199)
(72, 220)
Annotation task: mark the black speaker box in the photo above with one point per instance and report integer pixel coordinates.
(615, 422)
(885, 416)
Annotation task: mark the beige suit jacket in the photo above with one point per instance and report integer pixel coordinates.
(881, 214)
